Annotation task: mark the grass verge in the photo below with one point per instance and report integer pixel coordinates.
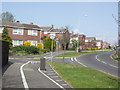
(83, 77)
(71, 54)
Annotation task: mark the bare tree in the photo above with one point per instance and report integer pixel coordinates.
(65, 40)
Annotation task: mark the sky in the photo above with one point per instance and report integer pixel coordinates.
(94, 19)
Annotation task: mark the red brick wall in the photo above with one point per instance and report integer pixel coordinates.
(23, 37)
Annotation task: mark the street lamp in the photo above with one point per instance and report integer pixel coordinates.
(52, 37)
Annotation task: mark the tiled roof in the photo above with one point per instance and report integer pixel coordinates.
(58, 30)
(11, 24)
(48, 28)
(30, 26)
(76, 35)
(88, 38)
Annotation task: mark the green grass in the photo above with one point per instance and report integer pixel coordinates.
(83, 77)
(71, 54)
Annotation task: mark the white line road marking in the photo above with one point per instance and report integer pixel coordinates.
(59, 80)
(97, 57)
(75, 59)
(82, 64)
(54, 76)
(64, 84)
(51, 79)
(113, 66)
(71, 59)
(23, 76)
(103, 62)
(79, 62)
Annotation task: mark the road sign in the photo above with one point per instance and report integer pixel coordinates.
(57, 41)
(52, 36)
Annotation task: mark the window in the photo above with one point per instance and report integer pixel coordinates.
(33, 32)
(45, 32)
(17, 42)
(18, 31)
(33, 42)
(1, 29)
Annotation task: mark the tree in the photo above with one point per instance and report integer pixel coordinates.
(48, 42)
(6, 37)
(7, 16)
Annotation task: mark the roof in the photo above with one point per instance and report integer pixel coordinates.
(90, 38)
(18, 24)
(59, 30)
(31, 26)
(10, 24)
(99, 40)
(76, 35)
(48, 28)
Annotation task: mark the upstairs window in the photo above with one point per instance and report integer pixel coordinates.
(33, 32)
(18, 31)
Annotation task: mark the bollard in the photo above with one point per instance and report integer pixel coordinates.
(42, 64)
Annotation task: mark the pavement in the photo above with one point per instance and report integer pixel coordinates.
(24, 72)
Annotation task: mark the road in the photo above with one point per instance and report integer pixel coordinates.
(12, 76)
(99, 61)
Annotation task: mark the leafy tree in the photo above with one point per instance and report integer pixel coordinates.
(7, 16)
(48, 42)
(75, 43)
(6, 37)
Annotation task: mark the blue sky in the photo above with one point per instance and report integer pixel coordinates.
(90, 18)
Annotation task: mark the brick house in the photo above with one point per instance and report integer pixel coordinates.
(22, 32)
(90, 42)
(78, 37)
(99, 44)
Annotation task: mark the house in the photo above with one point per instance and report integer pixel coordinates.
(78, 37)
(106, 45)
(99, 44)
(22, 32)
(90, 42)
(62, 37)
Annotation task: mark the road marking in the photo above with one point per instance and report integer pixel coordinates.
(59, 80)
(54, 76)
(71, 59)
(79, 62)
(51, 79)
(75, 59)
(103, 62)
(23, 76)
(97, 58)
(113, 66)
(64, 84)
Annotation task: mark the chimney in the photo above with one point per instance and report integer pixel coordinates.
(18, 21)
(31, 23)
(52, 26)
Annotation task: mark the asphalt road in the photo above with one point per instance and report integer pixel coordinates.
(99, 61)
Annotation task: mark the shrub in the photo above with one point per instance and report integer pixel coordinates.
(27, 49)
(31, 49)
(39, 45)
(27, 43)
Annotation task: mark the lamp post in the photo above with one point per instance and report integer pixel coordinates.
(52, 37)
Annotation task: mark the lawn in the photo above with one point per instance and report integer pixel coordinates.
(83, 77)
(71, 54)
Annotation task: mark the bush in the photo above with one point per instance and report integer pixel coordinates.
(27, 43)
(39, 45)
(72, 49)
(31, 49)
(27, 49)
